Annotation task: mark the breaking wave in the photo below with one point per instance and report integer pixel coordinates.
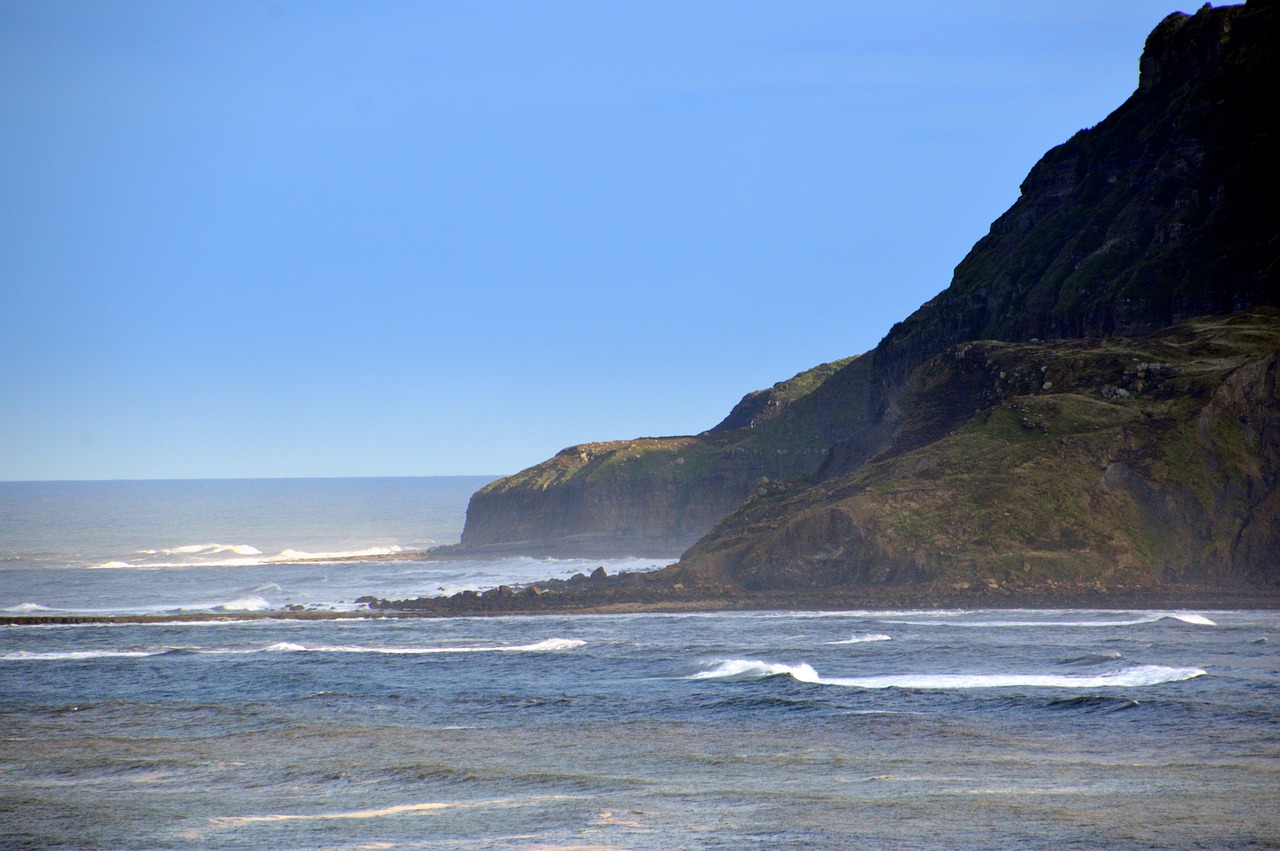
(864, 639)
(1155, 617)
(1136, 675)
(216, 555)
(546, 646)
(79, 655)
(24, 608)
(252, 603)
(549, 645)
(210, 549)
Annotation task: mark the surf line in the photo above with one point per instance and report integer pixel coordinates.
(402, 809)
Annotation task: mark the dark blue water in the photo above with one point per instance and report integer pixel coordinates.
(789, 730)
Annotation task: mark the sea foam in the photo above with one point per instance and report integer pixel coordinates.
(251, 603)
(1155, 617)
(23, 608)
(1136, 675)
(864, 639)
(549, 645)
(78, 655)
(201, 549)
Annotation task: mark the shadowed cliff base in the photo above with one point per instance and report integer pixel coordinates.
(658, 596)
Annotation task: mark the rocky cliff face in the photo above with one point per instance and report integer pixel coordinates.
(655, 496)
(1125, 462)
(1161, 212)
(963, 449)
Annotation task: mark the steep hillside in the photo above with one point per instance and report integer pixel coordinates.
(1126, 462)
(1163, 211)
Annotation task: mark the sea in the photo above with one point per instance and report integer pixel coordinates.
(953, 729)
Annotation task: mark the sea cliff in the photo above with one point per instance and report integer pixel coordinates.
(1091, 403)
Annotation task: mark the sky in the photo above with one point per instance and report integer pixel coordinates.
(277, 239)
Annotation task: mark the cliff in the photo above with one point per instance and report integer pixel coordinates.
(1124, 463)
(1057, 414)
(655, 496)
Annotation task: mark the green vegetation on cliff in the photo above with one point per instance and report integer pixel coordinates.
(1092, 402)
(1117, 461)
(655, 496)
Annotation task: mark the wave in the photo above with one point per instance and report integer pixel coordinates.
(1095, 703)
(1185, 617)
(1136, 675)
(1092, 659)
(252, 603)
(23, 608)
(299, 555)
(864, 639)
(549, 645)
(206, 555)
(79, 655)
(202, 549)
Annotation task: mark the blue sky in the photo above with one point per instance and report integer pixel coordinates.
(381, 238)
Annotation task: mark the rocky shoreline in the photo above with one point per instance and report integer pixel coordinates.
(653, 592)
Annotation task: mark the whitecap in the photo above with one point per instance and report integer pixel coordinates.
(77, 655)
(864, 639)
(550, 645)
(252, 603)
(755, 669)
(1155, 617)
(26, 607)
(1133, 676)
(292, 555)
(212, 549)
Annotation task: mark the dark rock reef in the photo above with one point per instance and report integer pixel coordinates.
(1089, 408)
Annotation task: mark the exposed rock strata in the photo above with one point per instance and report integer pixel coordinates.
(963, 451)
(1121, 461)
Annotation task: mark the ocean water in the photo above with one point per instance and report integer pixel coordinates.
(913, 729)
(128, 547)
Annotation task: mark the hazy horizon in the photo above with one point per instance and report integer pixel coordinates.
(329, 240)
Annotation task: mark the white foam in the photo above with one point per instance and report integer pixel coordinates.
(755, 669)
(300, 555)
(1191, 618)
(1155, 617)
(1136, 675)
(76, 655)
(252, 603)
(202, 549)
(243, 555)
(549, 645)
(26, 607)
(864, 639)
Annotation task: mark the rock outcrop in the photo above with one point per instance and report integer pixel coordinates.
(1126, 462)
(654, 496)
(1066, 411)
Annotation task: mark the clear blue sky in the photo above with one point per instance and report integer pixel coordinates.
(382, 238)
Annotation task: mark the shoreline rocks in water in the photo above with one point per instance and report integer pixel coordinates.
(656, 592)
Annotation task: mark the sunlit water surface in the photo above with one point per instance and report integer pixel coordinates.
(973, 729)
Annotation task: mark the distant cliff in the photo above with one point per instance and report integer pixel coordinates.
(1032, 423)
(655, 496)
